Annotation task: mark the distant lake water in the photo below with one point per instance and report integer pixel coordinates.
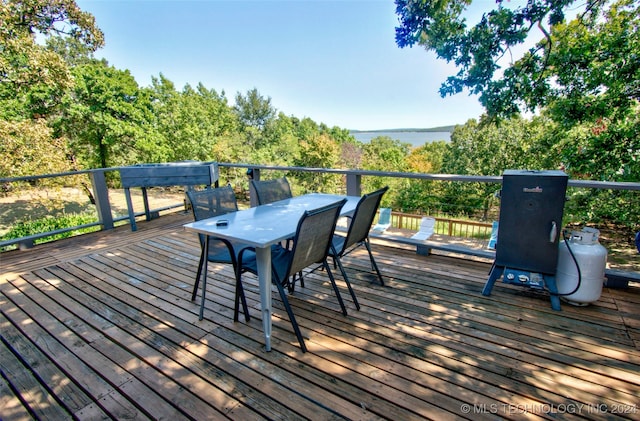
(414, 138)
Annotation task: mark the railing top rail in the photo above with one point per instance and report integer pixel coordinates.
(614, 185)
(43, 176)
(93, 170)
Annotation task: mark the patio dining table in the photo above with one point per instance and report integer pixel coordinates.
(263, 226)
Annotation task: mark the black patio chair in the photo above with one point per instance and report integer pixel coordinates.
(358, 233)
(269, 191)
(310, 246)
(206, 204)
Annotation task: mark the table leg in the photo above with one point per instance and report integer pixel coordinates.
(263, 260)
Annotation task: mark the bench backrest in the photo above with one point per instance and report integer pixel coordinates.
(171, 174)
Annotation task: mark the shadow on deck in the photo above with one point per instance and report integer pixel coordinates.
(101, 326)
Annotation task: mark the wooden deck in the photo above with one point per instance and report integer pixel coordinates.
(102, 327)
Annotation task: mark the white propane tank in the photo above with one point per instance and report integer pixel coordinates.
(591, 257)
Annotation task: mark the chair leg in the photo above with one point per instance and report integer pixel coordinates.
(205, 253)
(346, 280)
(335, 287)
(292, 284)
(197, 282)
(240, 296)
(373, 261)
(292, 318)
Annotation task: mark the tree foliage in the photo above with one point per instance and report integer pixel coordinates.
(28, 148)
(191, 121)
(383, 153)
(583, 73)
(253, 109)
(33, 77)
(104, 117)
(554, 67)
(489, 148)
(318, 151)
(33, 80)
(596, 98)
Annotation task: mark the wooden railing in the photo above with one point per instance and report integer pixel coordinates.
(446, 226)
(353, 186)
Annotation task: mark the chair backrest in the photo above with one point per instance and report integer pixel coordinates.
(362, 219)
(427, 224)
(426, 229)
(313, 236)
(269, 191)
(212, 202)
(385, 216)
(493, 239)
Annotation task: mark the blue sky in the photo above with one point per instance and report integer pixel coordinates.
(335, 62)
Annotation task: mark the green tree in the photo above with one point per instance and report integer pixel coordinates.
(596, 100)
(383, 153)
(542, 73)
(488, 148)
(33, 78)
(29, 148)
(318, 151)
(107, 120)
(72, 51)
(423, 196)
(279, 144)
(583, 73)
(253, 109)
(191, 121)
(351, 150)
(233, 148)
(339, 134)
(427, 158)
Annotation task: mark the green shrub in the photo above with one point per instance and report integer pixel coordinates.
(49, 223)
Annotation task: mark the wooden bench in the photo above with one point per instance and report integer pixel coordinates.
(424, 247)
(188, 174)
(614, 278)
(619, 278)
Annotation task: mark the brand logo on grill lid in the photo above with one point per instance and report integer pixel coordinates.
(536, 189)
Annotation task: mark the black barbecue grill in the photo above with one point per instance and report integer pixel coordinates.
(531, 209)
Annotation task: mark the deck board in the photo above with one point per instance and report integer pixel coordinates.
(102, 326)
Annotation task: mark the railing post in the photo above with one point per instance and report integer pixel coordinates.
(354, 186)
(101, 196)
(253, 174)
